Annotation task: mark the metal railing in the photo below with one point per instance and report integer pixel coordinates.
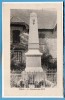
(37, 79)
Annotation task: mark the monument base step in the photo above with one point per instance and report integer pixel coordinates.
(34, 69)
(33, 52)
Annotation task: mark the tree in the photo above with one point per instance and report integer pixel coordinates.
(48, 61)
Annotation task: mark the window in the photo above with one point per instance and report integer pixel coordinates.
(16, 36)
(18, 55)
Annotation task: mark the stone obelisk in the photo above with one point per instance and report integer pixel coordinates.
(33, 56)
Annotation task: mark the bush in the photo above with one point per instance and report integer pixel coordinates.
(17, 65)
(48, 62)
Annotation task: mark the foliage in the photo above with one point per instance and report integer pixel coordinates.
(17, 65)
(48, 61)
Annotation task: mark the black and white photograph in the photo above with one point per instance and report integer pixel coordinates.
(35, 60)
(33, 48)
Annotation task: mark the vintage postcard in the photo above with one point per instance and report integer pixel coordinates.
(32, 49)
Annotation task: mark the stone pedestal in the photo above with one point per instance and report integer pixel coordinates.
(33, 56)
(33, 61)
(33, 70)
